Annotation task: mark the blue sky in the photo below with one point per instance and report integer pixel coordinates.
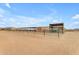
(42, 14)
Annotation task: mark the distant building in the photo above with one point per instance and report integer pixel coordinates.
(41, 29)
(27, 29)
(57, 27)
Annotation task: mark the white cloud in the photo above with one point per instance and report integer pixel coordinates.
(76, 23)
(72, 25)
(1, 16)
(75, 16)
(57, 21)
(20, 21)
(2, 11)
(8, 5)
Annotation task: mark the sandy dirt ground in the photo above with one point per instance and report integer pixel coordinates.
(34, 43)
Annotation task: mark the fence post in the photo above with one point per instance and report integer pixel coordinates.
(44, 32)
(58, 33)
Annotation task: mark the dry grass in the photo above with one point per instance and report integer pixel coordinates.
(15, 42)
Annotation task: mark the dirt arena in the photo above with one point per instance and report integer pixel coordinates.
(34, 43)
